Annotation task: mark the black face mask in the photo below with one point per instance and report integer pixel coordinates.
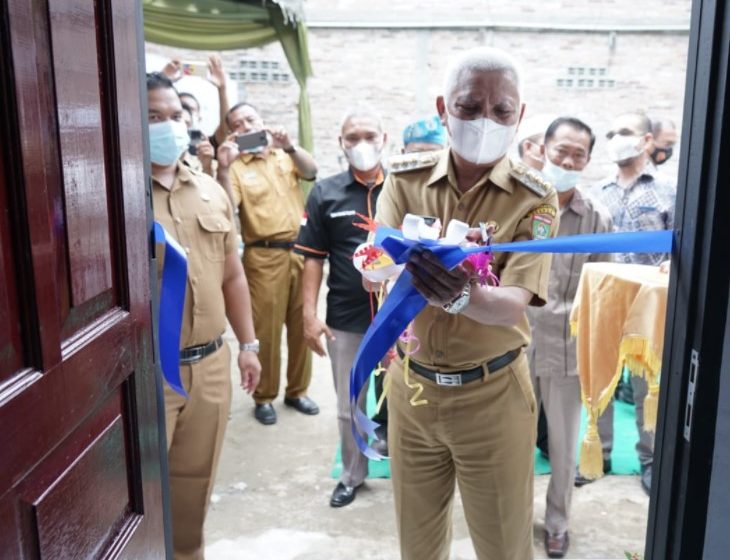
(667, 154)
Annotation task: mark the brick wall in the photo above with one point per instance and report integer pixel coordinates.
(399, 71)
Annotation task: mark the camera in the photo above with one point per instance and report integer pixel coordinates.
(196, 137)
(252, 142)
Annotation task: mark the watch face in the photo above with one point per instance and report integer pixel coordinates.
(460, 303)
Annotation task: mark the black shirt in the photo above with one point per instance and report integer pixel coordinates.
(327, 231)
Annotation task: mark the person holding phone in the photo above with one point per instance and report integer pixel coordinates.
(263, 167)
(212, 71)
(200, 155)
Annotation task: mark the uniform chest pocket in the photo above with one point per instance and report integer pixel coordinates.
(255, 191)
(213, 231)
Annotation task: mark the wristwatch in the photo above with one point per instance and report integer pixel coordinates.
(291, 149)
(459, 303)
(250, 346)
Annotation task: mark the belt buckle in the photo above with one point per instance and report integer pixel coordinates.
(193, 357)
(448, 379)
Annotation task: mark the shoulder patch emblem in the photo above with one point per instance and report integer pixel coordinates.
(543, 218)
(413, 161)
(530, 179)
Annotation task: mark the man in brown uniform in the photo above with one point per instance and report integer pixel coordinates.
(567, 149)
(478, 425)
(265, 187)
(195, 210)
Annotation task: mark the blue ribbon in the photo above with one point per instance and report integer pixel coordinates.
(404, 302)
(172, 303)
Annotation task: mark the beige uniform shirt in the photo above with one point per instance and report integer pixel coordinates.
(520, 205)
(552, 352)
(197, 213)
(267, 193)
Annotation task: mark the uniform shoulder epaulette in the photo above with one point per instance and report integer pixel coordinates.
(530, 179)
(410, 162)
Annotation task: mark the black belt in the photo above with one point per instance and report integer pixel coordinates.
(272, 244)
(194, 354)
(456, 378)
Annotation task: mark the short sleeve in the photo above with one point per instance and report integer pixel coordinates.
(313, 239)
(235, 182)
(531, 271)
(232, 235)
(388, 211)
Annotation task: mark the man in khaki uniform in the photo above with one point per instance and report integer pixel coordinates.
(195, 210)
(265, 187)
(478, 424)
(552, 355)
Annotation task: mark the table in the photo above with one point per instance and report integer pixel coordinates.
(618, 319)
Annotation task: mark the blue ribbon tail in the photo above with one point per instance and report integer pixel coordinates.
(659, 241)
(172, 303)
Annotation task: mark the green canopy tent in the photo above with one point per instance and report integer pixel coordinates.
(237, 24)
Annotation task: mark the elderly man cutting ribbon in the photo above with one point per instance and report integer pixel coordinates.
(479, 424)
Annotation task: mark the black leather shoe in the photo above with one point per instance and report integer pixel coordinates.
(646, 479)
(556, 545)
(580, 480)
(305, 405)
(343, 495)
(265, 414)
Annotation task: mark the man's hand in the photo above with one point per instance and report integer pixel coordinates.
(206, 153)
(279, 138)
(173, 70)
(438, 285)
(228, 151)
(216, 75)
(313, 330)
(248, 363)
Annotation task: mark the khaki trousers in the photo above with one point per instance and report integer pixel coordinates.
(560, 397)
(195, 430)
(481, 435)
(275, 283)
(342, 354)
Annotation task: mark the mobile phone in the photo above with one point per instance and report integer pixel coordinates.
(196, 137)
(198, 69)
(252, 142)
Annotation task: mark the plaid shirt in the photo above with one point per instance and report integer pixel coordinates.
(646, 204)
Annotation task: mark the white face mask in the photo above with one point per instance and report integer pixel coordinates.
(621, 148)
(364, 155)
(562, 179)
(481, 140)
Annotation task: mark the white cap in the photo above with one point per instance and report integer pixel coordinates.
(533, 125)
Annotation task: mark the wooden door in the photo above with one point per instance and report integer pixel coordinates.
(79, 441)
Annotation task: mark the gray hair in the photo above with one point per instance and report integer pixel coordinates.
(361, 110)
(481, 59)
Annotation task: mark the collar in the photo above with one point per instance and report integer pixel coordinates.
(248, 157)
(650, 170)
(577, 203)
(356, 179)
(498, 175)
(182, 174)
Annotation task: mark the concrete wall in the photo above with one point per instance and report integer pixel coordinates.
(394, 59)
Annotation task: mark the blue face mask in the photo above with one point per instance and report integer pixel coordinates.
(168, 139)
